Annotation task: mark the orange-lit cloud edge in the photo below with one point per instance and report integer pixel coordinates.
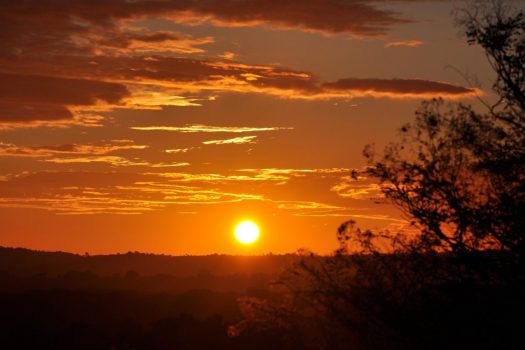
(406, 43)
(71, 70)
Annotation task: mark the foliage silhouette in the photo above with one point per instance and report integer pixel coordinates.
(459, 174)
(455, 279)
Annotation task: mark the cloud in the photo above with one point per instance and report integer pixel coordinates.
(113, 161)
(227, 55)
(86, 27)
(279, 174)
(317, 209)
(147, 96)
(184, 195)
(65, 62)
(177, 150)
(294, 205)
(236, 140)
(214, 178)
(361, 188)
(88, 193)
(353, 17)
(84, 204)
(126, 193)
(273, 176)
(143, 41)
(198, 128)
(54, 91)
(12, 150)
(25, 98)
(399, 88)
(156, 79)
(408, 43)
(145, 83)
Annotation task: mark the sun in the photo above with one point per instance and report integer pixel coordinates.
(247, 232)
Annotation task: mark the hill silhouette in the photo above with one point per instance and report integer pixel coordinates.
(26, 262)
(57, 300)
(26, 270)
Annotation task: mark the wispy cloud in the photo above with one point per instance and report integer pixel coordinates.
(361, 188)
(295, 205)
(215, 178)
(113, 161)
(227, 55)
(270, 175)
(139, 40)
(125, 193)
(283, 174)
(407, 43)
(317, 209)
(80, 192)
(87, 193)
(236, 140)
(12, 150)
(196, 128)
(177, 150)
(399, 88)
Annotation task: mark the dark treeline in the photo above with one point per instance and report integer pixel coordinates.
(87, 319)
(27, 262)
(131, 280)
(46, 304)
(23, 269)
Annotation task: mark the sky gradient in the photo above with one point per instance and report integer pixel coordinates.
(157, 126)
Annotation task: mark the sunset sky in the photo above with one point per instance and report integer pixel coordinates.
(157, 126)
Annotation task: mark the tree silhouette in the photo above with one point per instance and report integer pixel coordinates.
(458, 174)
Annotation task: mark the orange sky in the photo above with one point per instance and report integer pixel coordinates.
(156, 126)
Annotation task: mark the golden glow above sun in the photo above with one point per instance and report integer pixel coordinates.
(247, 232)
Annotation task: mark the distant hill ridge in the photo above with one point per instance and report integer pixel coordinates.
(26, 262)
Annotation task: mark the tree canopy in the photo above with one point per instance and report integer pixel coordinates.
(458, 174)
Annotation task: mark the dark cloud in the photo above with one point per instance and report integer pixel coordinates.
(355, 17)
(56, 91)
(84, 27)
(12, 150)
(58, 54)
(33, 97)
(398, 87)
(192, 74)
(26, 112)
(178, 73)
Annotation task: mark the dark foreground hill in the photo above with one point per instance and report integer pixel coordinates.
(131, 301)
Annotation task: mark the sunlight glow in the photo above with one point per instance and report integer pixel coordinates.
(247, 232)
